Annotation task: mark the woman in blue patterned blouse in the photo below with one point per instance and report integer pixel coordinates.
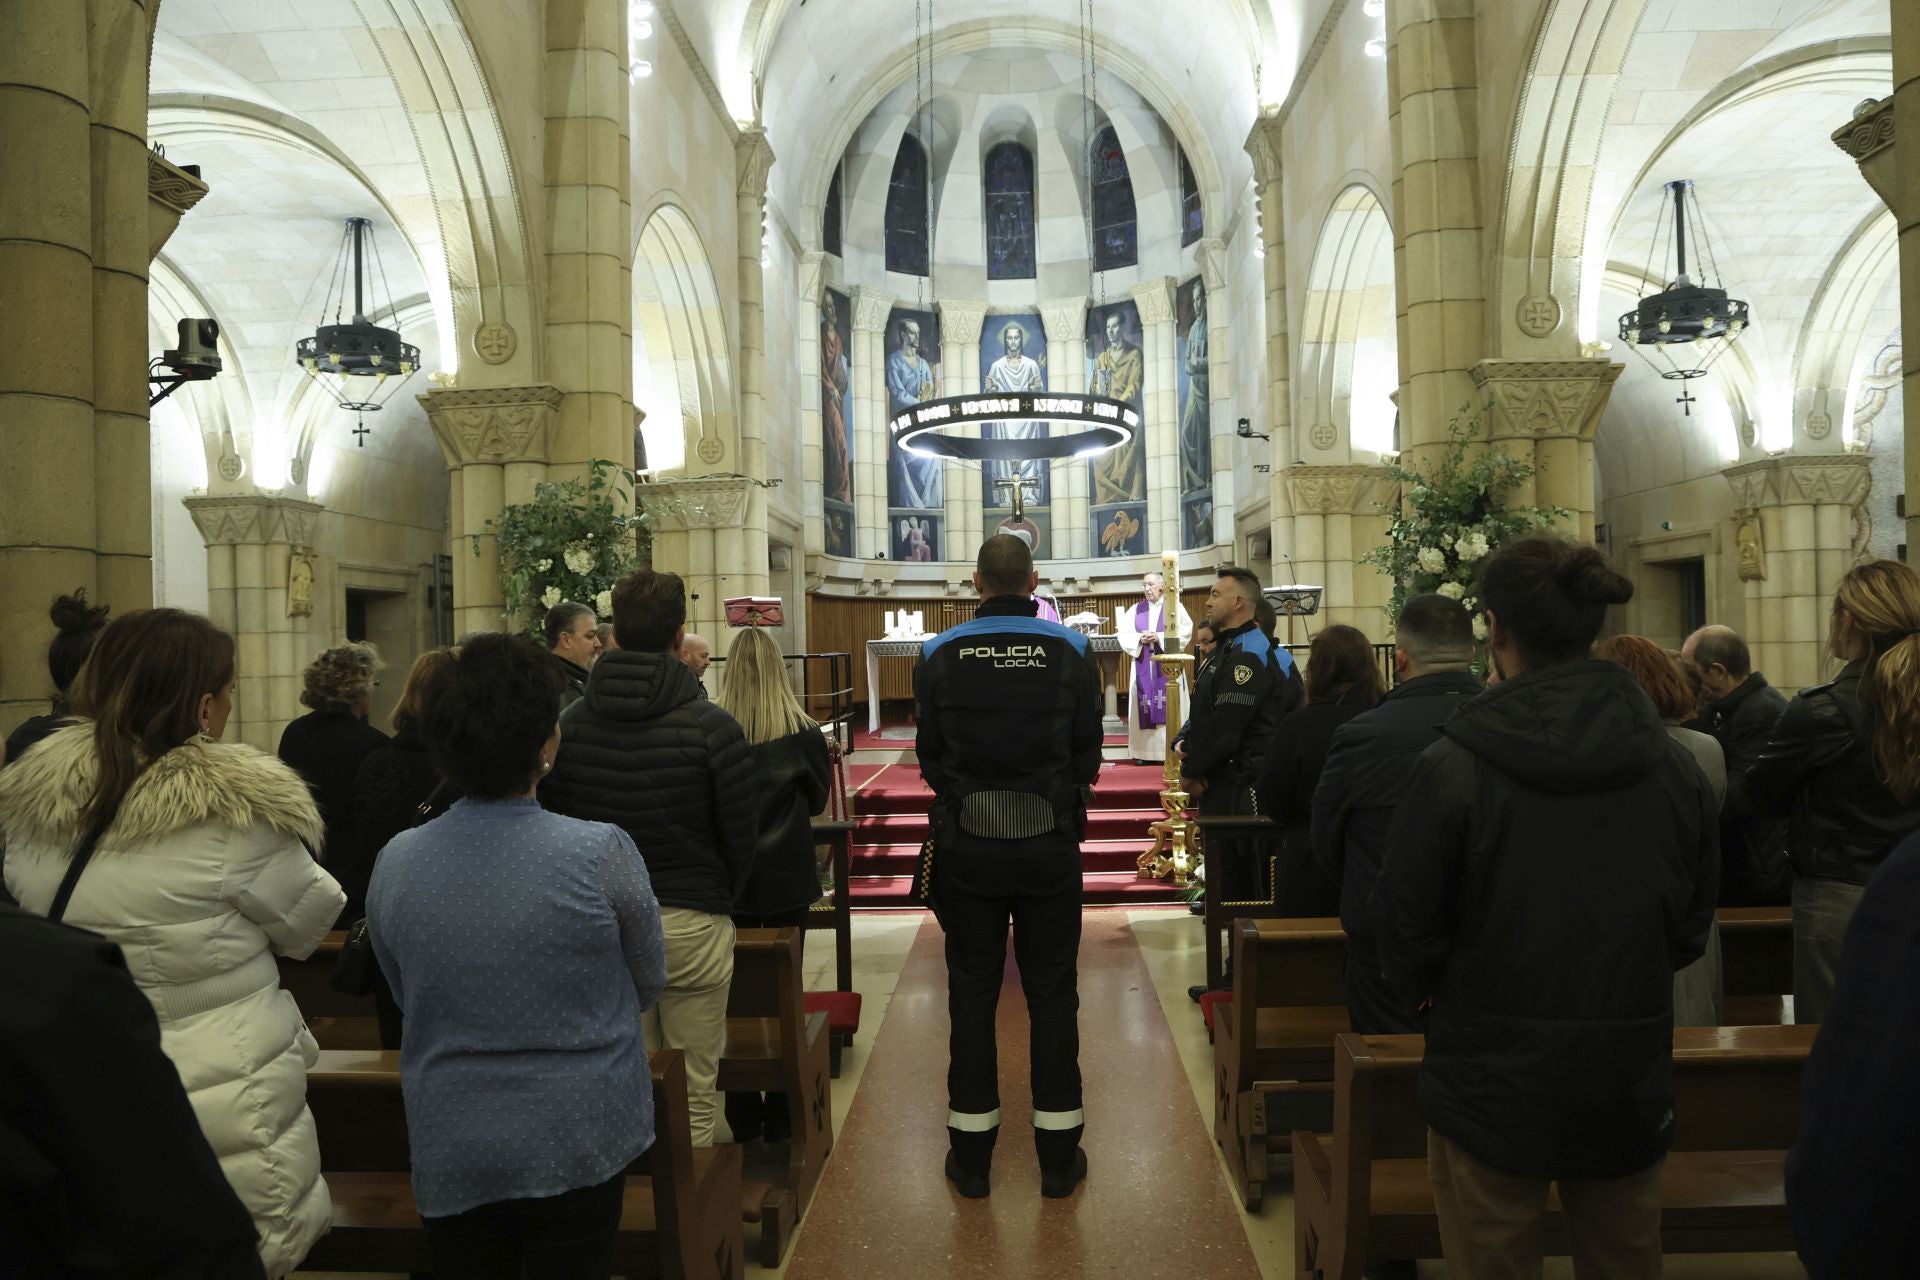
(522, 947)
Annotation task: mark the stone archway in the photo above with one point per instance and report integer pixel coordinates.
(1347, 367)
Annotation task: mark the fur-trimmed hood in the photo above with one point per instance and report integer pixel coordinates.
(44, 794)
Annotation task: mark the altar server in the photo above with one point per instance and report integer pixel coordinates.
(1147, 629)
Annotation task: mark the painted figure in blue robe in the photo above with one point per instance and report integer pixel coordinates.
(912, 482)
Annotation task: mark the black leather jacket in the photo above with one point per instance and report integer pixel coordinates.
(1818, 768)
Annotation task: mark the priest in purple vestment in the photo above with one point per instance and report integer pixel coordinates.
(1151, 627)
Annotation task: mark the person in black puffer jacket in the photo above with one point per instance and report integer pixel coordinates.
(1554, 861)
(1342, 681)
(396, 789)
(1843, 763)
(793, 775)
(643, 751)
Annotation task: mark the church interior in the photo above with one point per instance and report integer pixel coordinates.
(408, 276)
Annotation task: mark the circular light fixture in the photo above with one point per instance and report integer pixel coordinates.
(640, 10)
(1685, 311)
(642, 31)
(1374, 8)
(336, 354)
(1097, 424)
(1376, 47)
(640, 69)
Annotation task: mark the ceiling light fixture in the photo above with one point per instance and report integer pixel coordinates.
(1376, 47)
(338, 353)
(1684, 313)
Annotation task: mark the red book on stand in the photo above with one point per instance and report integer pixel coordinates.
(756, 611)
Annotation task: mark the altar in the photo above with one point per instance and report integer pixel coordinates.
(1104, 647)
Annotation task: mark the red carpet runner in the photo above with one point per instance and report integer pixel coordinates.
(890, 805)
(1154, 1203)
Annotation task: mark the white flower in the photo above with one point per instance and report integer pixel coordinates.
(603, 603)
(1451, 590)
(1471, 546)
(543, 566)
(550, 597)
(1470, 603)
(1432, 560)
(579, 558)
(1480, 627)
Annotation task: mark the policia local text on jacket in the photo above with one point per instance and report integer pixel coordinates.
(1553, 863)
(1009, 740)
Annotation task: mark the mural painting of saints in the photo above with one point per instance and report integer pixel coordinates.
(835, 379)
(1119, 371)
(1015, 371)
(912, 482)
(1196, 431)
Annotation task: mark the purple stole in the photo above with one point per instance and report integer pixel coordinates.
(1048, 611)
(1149, 681)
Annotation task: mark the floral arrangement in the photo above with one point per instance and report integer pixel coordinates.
(1451, 515)
(573, 541)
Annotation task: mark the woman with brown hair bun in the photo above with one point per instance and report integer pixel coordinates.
(1342, 680)
(1699, 990)
(77, 625)
(136, 822)
(1843, 763)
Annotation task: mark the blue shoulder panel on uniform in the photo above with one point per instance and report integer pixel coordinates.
(1256, 644)
(1005, 626)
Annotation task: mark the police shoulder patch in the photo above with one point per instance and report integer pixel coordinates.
(1242, 674)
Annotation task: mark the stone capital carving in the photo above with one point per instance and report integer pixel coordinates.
(960, 322)
(254, 518)
(1837, 479)
(871, 308)
(752, 161)
(1870, 130)
(1546, 398)
(1155, 299)
(1263, 144)
(1211, 255)
(1065, 319)
(1346, 489)
(491, 424)
(709, 502)
(1754, 484)
(812, 272)
(171, 191)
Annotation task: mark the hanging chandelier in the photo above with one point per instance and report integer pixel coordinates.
(1689, 325)
(337, 354)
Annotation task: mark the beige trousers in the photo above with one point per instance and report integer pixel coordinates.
(1491, 1223)
(692, 1013)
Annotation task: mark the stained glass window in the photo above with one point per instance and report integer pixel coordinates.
(1115, 231)
(830, 221)
(1192, 220)
(1010, 213)
(907, 200)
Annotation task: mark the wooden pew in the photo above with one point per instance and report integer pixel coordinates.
(679, 1219)
(1273, 1043)
(1364, 1192)
(774, 1046)
(835, 912)
(1221, 832)
(1756, 961)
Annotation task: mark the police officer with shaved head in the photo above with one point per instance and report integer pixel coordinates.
(1009, 740)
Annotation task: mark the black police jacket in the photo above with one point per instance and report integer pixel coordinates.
(1239, 698)
(1552, 864)
(1365, 775)
(1818, 767)
(1008, 702)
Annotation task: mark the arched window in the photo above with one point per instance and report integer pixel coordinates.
(830, 220)
(907, 203)
(1192, 220)
(1115, 231)
(1010, 212)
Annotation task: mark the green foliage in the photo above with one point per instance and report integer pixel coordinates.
(1450, 515)
(572, 542)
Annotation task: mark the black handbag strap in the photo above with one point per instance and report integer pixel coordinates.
(81, 857)
(424, 809)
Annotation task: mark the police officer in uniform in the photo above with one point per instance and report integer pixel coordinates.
(1238, 698)
(1009, 740)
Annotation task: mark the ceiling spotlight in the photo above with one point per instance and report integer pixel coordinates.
(641, 31)
(640, 69)
(1376, 48)
(640, 10)
(1374, 8)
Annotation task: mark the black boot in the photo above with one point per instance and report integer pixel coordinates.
(970, 1161)
(1058, 1184)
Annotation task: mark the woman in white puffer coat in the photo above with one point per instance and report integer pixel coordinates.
(202, 876)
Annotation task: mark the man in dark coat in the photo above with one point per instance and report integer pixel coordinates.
(643, 751)
(573, 638)
(1366, 774)
(1553, 863)
(1852, 1181)
(1739, 708)
(104, 1172)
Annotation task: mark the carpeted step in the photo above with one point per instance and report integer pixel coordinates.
(911, 828)
(1102, 889)
(899, 859)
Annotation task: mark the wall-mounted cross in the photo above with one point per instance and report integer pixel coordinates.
(1018, 486)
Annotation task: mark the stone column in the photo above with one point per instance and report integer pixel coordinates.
(589, 312)
(1807, 507)
(1547, 411)
(1264, 145)
(753, 159)
(1155, 298)
(960, 325)
(250, 541)
(1212, 256)
(1066, 324)
(871, 445)
(1332, 521)
(1433, 103)
(1895, 176)
(487, 434)
(701, 542)
(812, 451)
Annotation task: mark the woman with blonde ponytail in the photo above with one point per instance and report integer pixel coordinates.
(1844, 764)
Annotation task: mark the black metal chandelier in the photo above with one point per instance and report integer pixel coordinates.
(1697, 319)
(338, 353)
